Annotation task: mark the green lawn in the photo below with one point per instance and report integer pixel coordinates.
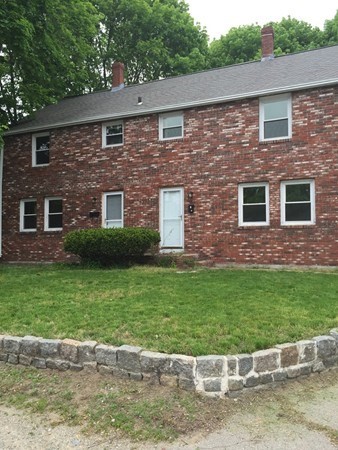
(195, 313)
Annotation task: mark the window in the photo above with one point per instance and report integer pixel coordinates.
(112, 134)
(53, 214)
(171, 126)
(253, 204)
(298, 202)
(28, 215)
(275, 117)
(113, 210)
(40, 149)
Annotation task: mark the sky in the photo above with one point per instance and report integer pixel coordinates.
(218, 16)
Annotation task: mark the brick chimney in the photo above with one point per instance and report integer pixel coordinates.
(267, 35)
(118, 75)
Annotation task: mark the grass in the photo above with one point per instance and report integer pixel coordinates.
(140, 411)
(193, 312)
(112, 408)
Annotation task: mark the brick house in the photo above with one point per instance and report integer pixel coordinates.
(233, 165)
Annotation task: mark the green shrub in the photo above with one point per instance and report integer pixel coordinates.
(110, 245)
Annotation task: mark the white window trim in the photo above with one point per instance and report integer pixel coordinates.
(312, 221)
(104, 207)
(165, 116)
(34, 136)
(271, 99)
(241, 187)
(22, 215)
(47, 199)
(104, 133)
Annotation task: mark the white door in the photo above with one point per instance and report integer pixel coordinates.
(171, 209)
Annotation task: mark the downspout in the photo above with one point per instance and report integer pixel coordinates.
(1, 176)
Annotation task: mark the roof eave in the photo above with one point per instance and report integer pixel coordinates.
(174, 107)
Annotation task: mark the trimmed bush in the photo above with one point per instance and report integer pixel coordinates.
(111, 245)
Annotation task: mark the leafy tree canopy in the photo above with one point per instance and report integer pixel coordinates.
(291, 35)
(154, 39)
(331, 30)
(44, 46)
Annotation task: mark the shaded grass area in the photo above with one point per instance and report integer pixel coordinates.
(140, 411)
(194, 312)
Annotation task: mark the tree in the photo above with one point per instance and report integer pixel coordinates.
(331, 30)
(153, 38)
(292, 35)
(44, 54)
(237, 46)
(244, 43)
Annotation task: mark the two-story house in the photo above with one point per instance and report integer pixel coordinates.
(233, 165)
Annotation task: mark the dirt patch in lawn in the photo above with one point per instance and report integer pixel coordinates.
(116, 408)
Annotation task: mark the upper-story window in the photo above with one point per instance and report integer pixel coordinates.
(171, 126)
(275, 117)
(28, 216)
(253, 204)
(298, 202)
(112, 134)
(40, 149)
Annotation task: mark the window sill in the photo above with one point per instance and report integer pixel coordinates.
(178, 138)
(112, 146)
(275, 141)
(297, 225)
(247, 226)
(40, 165)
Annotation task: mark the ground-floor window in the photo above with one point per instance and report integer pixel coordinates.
(253, 204)
(53, 214)
(28, 215)
(113, 210)
(298, 202)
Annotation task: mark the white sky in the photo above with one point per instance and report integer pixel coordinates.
(218, 16)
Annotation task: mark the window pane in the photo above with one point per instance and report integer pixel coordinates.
(255, 194)
(30, 207)
(171, 204)
(55, 206)
(276, 128)
(298, 212)
(114, 129)
(29, 222)
(254, 213)
(42, 157)
(297, 192)
(114, 140)
(171, 233)
(42, 142)
(55, 221)
(276, 110)
(114, 207)
(172, 121)
(172, 132)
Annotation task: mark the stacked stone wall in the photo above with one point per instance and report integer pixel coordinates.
(213, 375)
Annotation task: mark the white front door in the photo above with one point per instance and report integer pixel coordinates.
(171, 210)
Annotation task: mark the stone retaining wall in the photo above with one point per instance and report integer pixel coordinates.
(211, 375)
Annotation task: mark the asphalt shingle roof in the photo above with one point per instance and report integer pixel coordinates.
(303, 70)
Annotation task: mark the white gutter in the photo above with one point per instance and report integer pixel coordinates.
(1, 171)
(178, 106)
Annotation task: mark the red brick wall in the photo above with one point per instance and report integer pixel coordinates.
(220, 149)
